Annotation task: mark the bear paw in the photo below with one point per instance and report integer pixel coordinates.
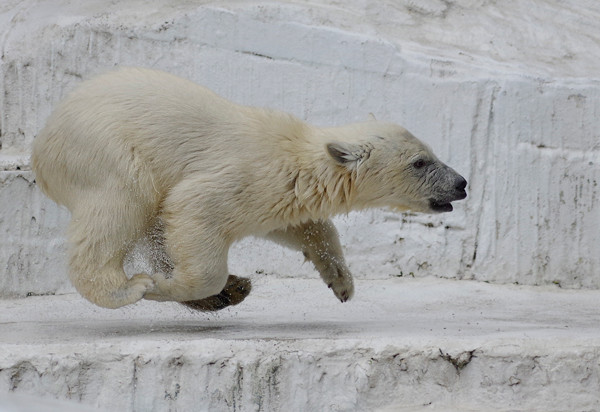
(234, 292)
(127, 293)
(139, 284)
(339, 280)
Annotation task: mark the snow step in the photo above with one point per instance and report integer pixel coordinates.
(400, 344)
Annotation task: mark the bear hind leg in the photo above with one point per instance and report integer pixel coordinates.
(99, 236)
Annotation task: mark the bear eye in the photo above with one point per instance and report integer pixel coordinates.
(418, 164)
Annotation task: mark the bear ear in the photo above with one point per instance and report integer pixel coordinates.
(372, 117)
(347, 154)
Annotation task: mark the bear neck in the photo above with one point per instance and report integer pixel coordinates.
(322, 192)
(315, 187)
(323, 188)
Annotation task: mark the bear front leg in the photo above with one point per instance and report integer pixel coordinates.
(235, 291)
(193, 234)
(199, 266)
(319, 242)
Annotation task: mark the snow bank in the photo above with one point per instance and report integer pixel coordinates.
(507, 94)
(402, 344)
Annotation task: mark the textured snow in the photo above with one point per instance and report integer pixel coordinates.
(402, 344)
(506, 93)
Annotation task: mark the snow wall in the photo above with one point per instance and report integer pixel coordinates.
(508, 94)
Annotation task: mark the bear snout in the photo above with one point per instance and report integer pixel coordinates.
(457, 192)
(440, 206)
(459, 186)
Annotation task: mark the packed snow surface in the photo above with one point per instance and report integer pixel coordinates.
(400, 344)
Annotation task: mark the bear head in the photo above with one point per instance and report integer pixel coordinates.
(392, 168)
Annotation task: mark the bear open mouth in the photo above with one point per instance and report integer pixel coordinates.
(440, 206)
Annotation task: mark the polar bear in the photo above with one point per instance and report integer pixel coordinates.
(139, 153)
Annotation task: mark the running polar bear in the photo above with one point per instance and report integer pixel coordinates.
(138, 153)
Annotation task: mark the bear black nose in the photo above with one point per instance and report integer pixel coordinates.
(461, 183)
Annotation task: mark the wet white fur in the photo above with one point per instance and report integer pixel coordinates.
(133, 147)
